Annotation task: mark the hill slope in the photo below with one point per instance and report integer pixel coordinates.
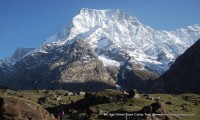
(184, 75)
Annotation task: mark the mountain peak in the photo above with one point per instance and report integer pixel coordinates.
(113, 14)
(194, 27)
(92, 10)
(93, 20)
(19, 53)
(115, 30)
(130, 51)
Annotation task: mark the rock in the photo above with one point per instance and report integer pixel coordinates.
(42, 100)
(157, 108)
(101, 112)
(146, 113)
(74, 94)
(87, 94)
(168, 103)
(21, 96)
(183, 105)
(132, 105)
(66, 94)
(186, 98)
(133, 93)
(196, 103)
(48, 92)
(146, 96)
(185, 108)
(59, 98)
(93, 110)
(152, 98)
(157, 99)
(13, 108)
(69, 94)
(55, 96)
(81, 93)
(72, 111)
(147, 109)
(124, 91)
(100, 97)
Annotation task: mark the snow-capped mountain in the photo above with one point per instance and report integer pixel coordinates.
(17, 56)
(1, 61)
(7, 63)
(184, 74)
(116, 31)
(99, 46)
(19, 53)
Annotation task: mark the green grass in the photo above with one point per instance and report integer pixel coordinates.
(181, 104)
(34, 95)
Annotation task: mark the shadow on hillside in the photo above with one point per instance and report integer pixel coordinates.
(89, 86)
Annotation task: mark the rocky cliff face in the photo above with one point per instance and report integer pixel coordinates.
(132, 52)
(4, 68)
(6, 64)
(1, 68)
(115, 34)
(59, 69)
(184, 75)
(19, 53)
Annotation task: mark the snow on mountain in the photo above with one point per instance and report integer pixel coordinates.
(108, 62)
(19, 53)
(114, 30)
(17, 56)
(1, 62)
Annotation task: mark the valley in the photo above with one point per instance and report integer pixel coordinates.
(104, 64)
(108, 104)
(97, 50)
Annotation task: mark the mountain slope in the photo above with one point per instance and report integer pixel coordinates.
(6, 64)
(59, 69)
(117, 32)
(117, 47)
(16, 57)
(184, 75)
(19, 53)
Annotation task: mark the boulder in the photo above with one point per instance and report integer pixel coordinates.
(70, 94)
(14, 108)
(42, 100)
(87, 94)
(59, 98)
(100, 97)
(150, 112)
(133, 93)
(81, 93)
(168, 103)
(157, 108)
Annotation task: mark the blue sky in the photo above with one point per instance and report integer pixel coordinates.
(27, 23)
